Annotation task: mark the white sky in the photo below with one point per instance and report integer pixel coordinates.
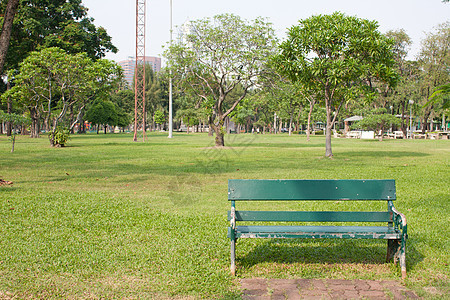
(417, 17)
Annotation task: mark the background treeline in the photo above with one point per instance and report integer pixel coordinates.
(55, 74)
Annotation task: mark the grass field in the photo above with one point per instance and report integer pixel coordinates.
(109, 218)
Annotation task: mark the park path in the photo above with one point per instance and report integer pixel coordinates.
(275, 289)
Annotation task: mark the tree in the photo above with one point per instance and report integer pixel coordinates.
(101, 79)
(14, 119)
(102, 113)
(407, 86)
(434, 61)
(216, 57)
(377, 120)
(55, 23)
(51, 82)
(243, 114)
(123, 119)
(124, 103)
(160, 118)
(336, 55)
(5, 35)
(52, 76)
(287, 97)
(441, 91)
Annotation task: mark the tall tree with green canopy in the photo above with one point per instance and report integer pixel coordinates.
(103, 113)
(434, 61)
(407, 85)
(39, 24)
(51, 82)
(218, 55)
(55, 23)
(336, 56)
(100, 79)
(5, 35)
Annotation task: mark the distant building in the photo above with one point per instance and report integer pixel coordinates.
(129, 65)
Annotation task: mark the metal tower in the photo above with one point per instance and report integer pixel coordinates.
(139, 73)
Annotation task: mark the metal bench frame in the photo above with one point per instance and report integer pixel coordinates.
(395, 232)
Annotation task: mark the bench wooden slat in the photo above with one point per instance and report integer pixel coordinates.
(312, 216)
(354, 232)
(254, 189)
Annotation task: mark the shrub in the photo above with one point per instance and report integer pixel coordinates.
(60, 137)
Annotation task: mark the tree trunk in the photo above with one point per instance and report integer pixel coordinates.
(218, 130)
(297, 123)
(290, 122)
(210, 129)
(35, 123)
(71, 119)
(220, 141)
(80, 118)
(444, 128)
(23, 130)
(13, 140)
(403, 124)
(329, 127)
(426, 116)
(5, 35)
(9, 111)
(308, 126)
(346, 127)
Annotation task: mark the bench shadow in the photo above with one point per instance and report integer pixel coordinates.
(308, 251)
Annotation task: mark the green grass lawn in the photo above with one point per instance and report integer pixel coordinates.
(106, 217)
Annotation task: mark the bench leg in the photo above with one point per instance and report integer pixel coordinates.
(403, 263)
(393, 250)
(403, 257)
(233, 257)
(396, 251)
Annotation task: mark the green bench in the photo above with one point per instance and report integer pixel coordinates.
(394, 229)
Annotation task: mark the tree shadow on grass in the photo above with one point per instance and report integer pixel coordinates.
(391, 154)
(6, 189)
(306, 251)
(279, 145)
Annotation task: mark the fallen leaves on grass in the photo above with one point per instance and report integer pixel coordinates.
(5, 182)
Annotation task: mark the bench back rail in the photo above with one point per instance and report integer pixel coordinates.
(253, 189)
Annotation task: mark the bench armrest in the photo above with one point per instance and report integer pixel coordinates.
(232, 228)
(233, 218)
(399, 220)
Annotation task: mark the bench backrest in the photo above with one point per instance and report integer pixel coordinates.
(303, 190)
(254, 189)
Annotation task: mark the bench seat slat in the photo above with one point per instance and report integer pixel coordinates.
(372, 232)
(253, 189)
(312, 216)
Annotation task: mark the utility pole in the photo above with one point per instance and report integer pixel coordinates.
(139, 72)
(170, 81)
